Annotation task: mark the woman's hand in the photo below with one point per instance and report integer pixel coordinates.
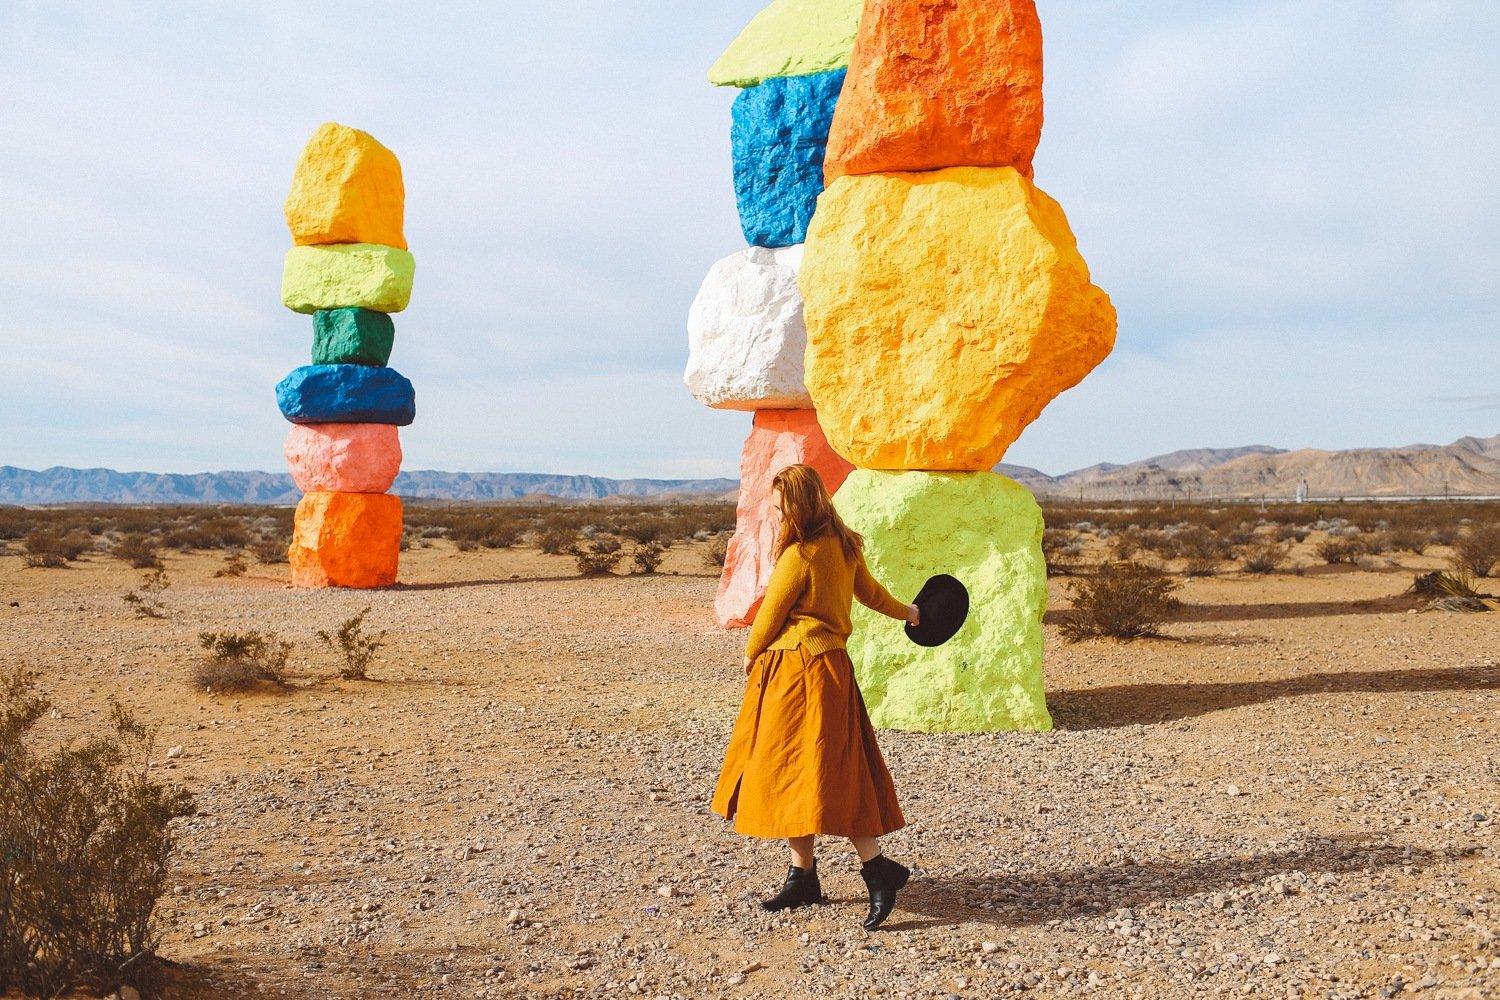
(913, 615)
(747, 666)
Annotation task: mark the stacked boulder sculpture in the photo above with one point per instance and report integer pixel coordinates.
(944, 305)
(745, 328)
(350, 269)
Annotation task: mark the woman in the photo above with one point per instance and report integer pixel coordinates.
(802, 759)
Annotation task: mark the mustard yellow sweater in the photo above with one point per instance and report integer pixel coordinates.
(808, 599)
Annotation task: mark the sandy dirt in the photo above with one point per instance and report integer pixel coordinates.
(1294, 794)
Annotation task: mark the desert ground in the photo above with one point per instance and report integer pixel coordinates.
(1293, 793)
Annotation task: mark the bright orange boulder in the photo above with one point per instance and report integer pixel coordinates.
(346, 540)
(347, 189)
(940, 83)
(779, 438)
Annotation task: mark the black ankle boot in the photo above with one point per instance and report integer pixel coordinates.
(801, 888)
(885, 878)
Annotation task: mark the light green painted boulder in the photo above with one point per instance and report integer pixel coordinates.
(347, 276)
(790, 38)
(986, 530)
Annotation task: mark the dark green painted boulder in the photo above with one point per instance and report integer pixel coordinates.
(352, 337)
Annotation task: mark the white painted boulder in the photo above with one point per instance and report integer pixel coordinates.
(746, 337)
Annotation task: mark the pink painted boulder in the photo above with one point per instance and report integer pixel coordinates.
(343, 458)
(779, 438)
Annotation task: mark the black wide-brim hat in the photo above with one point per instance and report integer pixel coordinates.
(944, 605)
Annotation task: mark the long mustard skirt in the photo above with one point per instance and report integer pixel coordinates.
(803, 758)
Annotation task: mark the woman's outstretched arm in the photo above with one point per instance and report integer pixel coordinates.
(869, 592)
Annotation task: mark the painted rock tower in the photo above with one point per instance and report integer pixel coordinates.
(945, 305)
(350, 270)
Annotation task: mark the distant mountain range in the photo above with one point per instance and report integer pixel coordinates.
(1468, 467)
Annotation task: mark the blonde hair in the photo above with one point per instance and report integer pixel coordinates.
(807, 512)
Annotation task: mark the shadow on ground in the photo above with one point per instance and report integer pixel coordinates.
(1144, 704)
(1020, 900)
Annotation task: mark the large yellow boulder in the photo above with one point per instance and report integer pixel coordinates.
(944, 310)
(347, 189)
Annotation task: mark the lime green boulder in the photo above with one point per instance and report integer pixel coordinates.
(986, 530)
(352, 337)
(346, 276)
(790, 38)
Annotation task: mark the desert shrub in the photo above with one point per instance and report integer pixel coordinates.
(355, 648)
(241, 661)
(219, 532)
(49, 548)
(1334, 551)
(1124, 600)
(598, 557)
(647, 556)
(1059, 547)
(234, 565)
(1413, 540)
(85, 839)
(557, 541)
(1292, 532)
(1477, 550)
(270, 549)
(1264, 557)
(146, 600)
(136, 549)
(1201, 550)
(716, 551)
(490, 530)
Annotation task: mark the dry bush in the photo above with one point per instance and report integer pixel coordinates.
(85, 841)
(1292, 532)
(241, 661)
(234, 565)
(271, 549)
(216, 531)
(1059, 547)
(598, 557)
(1335, 551)
(1202, 550)
(491, 530)
(1264, 557)
(647, 557)
(1124, 600)
(1477, 550)
(146, 600)
(138, 550)
(716, 551)
(1413, 540)
(557, 541)
(354, 647)
(52, 549)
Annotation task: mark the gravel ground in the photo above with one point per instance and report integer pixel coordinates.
(1294, 795)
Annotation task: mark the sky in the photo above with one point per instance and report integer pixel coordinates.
(1294, 206)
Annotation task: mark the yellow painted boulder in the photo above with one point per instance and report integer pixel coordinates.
(346, 189)
(347, 276)
(944, 310)
(346, 540)
(986, 531)
(790, 38)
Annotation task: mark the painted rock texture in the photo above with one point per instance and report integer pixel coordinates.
(746, 337)
(352, 337)
(778, 134)
(343, 458)
(778, 439)
(986, 530)
(346, 189)
(941, 83)
(346, 540)
(348, 275)
(790, 38)
(346, 394)
(944, 310)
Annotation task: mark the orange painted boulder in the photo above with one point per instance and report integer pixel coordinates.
(944, 310)
(940, 83)
(778, 439)
(347, 189)
(346, 540)
(343, 458)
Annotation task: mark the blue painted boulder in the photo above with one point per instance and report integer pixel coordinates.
(347, 394)
(779, 133)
